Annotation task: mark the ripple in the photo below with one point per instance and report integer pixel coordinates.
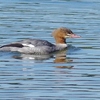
(73, 74)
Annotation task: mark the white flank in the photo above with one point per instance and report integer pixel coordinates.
(28, 45)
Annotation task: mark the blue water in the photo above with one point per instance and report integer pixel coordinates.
(73, 74)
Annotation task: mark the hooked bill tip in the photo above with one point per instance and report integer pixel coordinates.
(75, 36)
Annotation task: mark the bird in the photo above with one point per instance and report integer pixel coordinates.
(38, 46)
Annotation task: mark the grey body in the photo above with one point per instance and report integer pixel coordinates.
(32, 46)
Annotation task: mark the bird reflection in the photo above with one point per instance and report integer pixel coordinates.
(59, 57)
(33, 57)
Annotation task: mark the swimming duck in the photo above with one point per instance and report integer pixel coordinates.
(37, 46)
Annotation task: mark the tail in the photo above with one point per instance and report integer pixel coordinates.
(2, 48)
(10, 47)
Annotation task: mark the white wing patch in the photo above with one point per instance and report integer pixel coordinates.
(28, 45)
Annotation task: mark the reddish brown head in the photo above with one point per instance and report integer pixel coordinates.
(61, 34)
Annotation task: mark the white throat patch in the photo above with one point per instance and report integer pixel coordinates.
(62, 45)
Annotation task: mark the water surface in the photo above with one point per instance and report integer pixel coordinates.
(71, 74)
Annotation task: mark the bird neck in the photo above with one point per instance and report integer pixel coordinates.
(60, 40)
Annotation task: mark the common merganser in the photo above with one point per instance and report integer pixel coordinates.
(36, 46)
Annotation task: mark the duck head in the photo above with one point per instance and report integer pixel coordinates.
(61, 34)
